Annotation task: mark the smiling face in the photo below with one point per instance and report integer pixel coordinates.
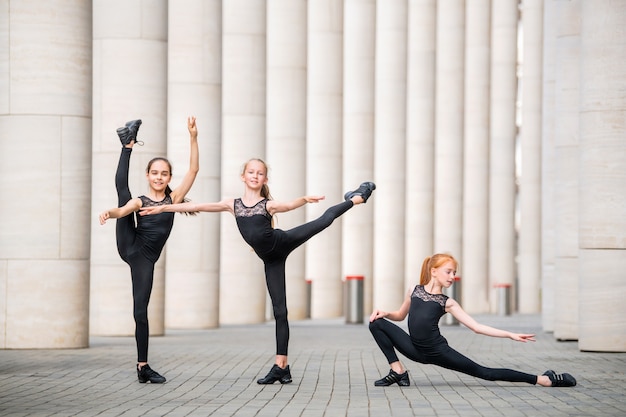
(444, 274)
(159, 175)
(254, 174)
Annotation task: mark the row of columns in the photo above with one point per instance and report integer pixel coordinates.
(420, 96)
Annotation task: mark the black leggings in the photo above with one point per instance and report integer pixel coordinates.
(141, 268)
(389, 336)
(275, 260)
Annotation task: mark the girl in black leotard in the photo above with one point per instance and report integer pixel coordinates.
(425, 304)
(140, 246)
(253, 213)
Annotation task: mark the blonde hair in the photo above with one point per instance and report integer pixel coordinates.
(434, 261)
(265, 190)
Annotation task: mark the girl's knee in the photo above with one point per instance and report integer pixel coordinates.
(140, 315)
(374, 325)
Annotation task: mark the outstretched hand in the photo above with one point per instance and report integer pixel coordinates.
(146, 211)
(520, 337)
(104, 216)
(314, 198)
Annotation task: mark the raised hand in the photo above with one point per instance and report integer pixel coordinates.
(191, 126)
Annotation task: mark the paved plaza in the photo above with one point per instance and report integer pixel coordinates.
(334, 366)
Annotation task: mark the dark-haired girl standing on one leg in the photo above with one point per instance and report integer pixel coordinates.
(140, 244)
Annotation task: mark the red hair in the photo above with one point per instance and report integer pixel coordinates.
(434, 261)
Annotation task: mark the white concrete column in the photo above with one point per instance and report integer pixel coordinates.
(45, 124)
(194, 88)
(130, 82)
(548, 171)
(323, 151)
(449, 104)
(566, 136)
(474, 281)
(420, 137)
(602, 178)
(530, 178)
(389, 154)
(502, 235)
(242, 278)
(286, 129)
(358, 138)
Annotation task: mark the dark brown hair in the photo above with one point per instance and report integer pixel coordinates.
(168, 190)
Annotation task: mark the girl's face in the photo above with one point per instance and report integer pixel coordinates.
(254, 174)
(444, 275)
(159, 175)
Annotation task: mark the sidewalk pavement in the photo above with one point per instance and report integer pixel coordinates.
(334, 366)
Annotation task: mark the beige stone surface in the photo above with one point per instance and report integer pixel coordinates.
(47, 306)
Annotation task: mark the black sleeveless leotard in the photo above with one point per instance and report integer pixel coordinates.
(152, 231)
(255, 226)
(424, 313)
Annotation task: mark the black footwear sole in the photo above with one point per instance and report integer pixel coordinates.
(133, 129)
(147, 374)
(364, 190)
(560, 380)
(124, 134)
(394, 378)
(265, 381)
(276, 374)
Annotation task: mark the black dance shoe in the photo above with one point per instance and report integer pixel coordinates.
(560, 380)
(146, 374)
(133, 128)
(364, 190)
(128, 133)
(276, 374)
(124, 135)
(394, 378)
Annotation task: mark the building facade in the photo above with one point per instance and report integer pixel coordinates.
(494, 131)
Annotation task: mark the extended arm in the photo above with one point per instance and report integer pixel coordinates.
(457, 311)
(283, 206)
(398, 315)
(119, 212)
(224, 205)
(194, 166)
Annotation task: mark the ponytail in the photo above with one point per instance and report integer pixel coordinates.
(425, 274)
(434, 261)
(265, 192)
(168, 191)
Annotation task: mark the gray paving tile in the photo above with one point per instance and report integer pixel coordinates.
(334, 365)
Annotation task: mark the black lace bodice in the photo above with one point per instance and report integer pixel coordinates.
(255, 225)
(421, 293)
(241, 210)
(148, 202)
